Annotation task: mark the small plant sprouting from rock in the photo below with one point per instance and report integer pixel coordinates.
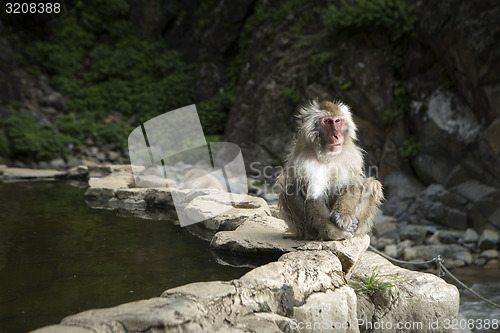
(410, 148)
(376, 282)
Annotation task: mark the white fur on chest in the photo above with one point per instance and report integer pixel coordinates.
(325, 178)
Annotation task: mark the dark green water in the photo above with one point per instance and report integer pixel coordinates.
(59, 257)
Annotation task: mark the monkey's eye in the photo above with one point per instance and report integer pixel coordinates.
(337, 120)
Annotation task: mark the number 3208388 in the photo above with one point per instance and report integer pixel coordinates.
(32, 8)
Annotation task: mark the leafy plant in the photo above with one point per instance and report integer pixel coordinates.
(27, 137)
(376, 282)
(410, 148)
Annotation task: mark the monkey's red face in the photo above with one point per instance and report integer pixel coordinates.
(331, 129)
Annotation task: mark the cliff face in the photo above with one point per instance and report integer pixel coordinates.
(423, 79)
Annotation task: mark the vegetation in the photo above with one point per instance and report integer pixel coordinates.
(30, 139)
(113, 79)
(375, 282)
(394, 17)
(410, 148)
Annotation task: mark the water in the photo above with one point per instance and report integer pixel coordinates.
(59, 257)
(481, 316)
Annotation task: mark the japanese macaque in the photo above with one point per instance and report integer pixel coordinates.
(324, 194)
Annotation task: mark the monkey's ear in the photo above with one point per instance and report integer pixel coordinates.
(350, 125)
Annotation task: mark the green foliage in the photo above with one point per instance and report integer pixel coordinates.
(28, 138)
(375, 282)
(395, 17)
(4, 144)
(97, 60)
(399, 104)
(291, 95)
(346, 86)
(410, 148)
(213, 113)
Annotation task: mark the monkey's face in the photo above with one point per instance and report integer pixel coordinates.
(331, 133)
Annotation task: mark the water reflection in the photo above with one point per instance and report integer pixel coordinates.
(59, 257)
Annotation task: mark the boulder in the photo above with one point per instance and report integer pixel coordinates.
(415, 298)
(304, 290)
(471, 236)
(488, 240)
(266, 235)
(450, 253)
(446, 237)
(489, 254)
(415, 233)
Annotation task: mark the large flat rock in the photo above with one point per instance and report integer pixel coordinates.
(30, 174)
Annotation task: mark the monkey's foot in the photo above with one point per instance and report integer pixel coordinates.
(344, 221)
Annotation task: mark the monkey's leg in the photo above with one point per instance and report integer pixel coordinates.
(370, 199)
(318, 224)
(342, 213)
(291, 205)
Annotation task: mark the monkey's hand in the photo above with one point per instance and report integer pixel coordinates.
(344, 221)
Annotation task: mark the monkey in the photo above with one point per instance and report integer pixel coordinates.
(323, 192)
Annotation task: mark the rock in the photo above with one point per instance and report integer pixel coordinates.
(113, 156)
(385, 227)
(447, 252)
(415, 233)
(417, 297)
(471, 236)
(492, 136)
(54, 99)
(492, 264)
(431, 169)
(445, 237)
(401, 190)
(494, 219)
(73, 161)
(383, 242)
(257, 235)
(24, 173)
(348, 250)
(489, 254)
(455, 218)
(488, 240)
(217, 213)
(302, 287)
(58, 163)
(391, 250)
(78, 172)
(475, 191)
(103, 188)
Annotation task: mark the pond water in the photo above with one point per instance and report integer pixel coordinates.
(59, 257)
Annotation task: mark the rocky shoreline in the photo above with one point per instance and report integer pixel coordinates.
(282, 296)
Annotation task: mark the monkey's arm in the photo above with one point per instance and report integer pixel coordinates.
(370, 200)
(342, 213)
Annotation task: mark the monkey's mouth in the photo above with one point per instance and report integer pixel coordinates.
(335, 148)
